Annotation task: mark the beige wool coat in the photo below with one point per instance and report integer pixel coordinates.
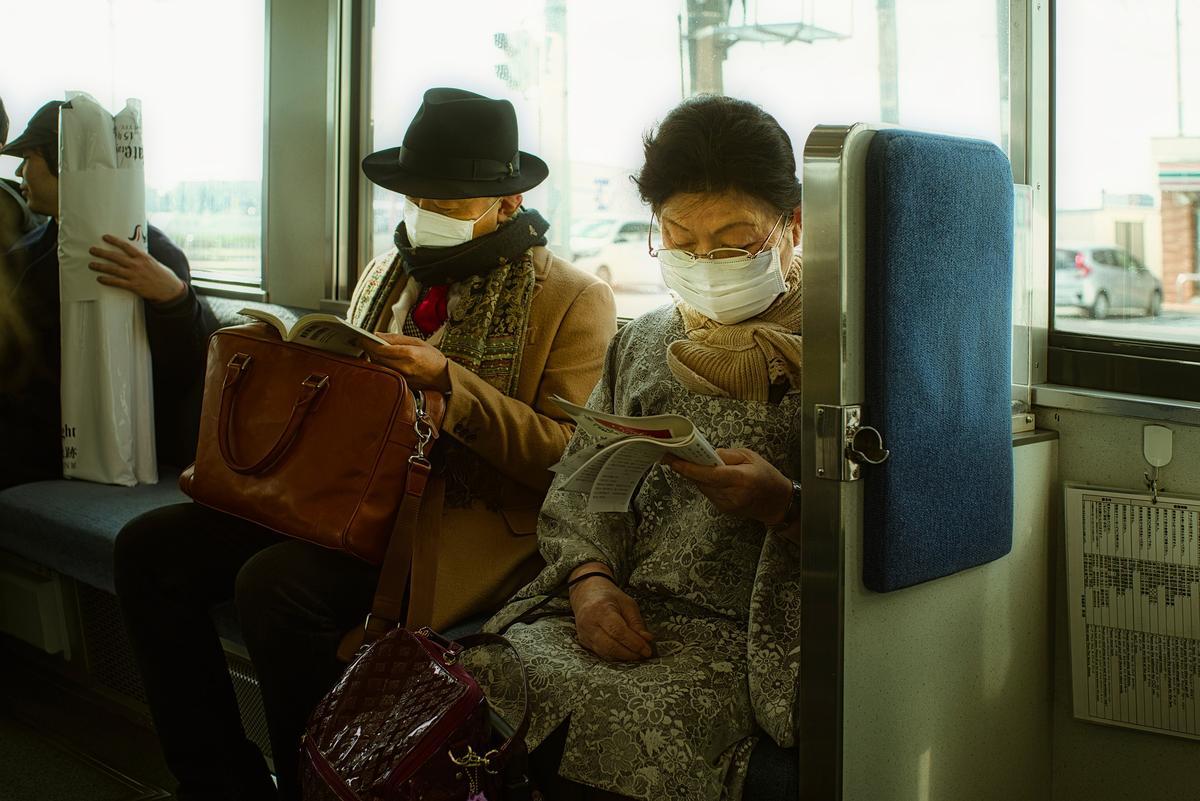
(487, 554)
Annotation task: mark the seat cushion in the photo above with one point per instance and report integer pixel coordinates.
(226, 310)
(938, 307)
(70, 526)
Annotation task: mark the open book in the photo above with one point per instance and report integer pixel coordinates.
(318, 330)
(626, 448)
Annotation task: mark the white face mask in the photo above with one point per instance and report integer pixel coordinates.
(725, 290)
(428, 229)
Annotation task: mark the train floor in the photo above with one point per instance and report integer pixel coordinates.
(59, 742)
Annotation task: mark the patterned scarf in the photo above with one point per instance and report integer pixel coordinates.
(747, 359)
(485, 331)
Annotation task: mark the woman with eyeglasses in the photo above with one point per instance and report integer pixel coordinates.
(675, 646)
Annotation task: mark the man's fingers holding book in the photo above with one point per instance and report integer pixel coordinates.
(421, 364)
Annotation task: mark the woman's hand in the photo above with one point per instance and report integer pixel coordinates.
(130, 267)
(747, 485)
(607, 621)
(422, 365)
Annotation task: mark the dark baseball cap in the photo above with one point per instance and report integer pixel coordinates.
(41, 132)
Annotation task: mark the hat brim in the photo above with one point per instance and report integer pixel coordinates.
(383, 168)
(23, 144)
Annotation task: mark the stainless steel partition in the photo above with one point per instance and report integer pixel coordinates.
(834, 204)
(939, 691)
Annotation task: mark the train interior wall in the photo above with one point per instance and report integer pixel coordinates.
(1092, 762)
(947, 684)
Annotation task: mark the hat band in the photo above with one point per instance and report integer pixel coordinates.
(460, 169)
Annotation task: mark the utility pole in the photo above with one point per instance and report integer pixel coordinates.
(1178, 74)
(553, 109)
(706, 51)
(1003, 57)
(889, 62)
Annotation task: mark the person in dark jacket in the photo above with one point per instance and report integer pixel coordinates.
(16, 219)
(177, 322)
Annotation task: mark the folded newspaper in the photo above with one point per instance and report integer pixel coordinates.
(626, 448)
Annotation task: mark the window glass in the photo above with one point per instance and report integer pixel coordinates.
(588, 80)
(198, 68)
(1129, 187)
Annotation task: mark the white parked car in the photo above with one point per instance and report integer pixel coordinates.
(1098, 279)
(615, 251)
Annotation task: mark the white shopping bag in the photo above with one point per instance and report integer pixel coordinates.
(107, 391)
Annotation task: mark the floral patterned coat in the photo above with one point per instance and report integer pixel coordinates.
(721, 595)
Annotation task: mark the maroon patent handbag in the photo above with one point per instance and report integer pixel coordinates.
(406, 721)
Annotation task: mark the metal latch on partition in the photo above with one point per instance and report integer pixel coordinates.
(844, 444)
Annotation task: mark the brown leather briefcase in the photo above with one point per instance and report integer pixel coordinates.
(322, 447)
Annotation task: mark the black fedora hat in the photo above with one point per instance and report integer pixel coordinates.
(458, 145)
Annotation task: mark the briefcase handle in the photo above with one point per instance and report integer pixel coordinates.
(310, 389)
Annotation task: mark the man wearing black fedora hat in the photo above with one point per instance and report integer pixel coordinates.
(471, 303)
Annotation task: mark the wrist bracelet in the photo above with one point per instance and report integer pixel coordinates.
(794, 505)
(592, 574)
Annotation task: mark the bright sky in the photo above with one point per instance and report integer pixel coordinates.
(1117, 92)
(198, 67)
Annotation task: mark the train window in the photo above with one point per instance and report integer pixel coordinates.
(589, 79)
(198, 68)
(1127, 195)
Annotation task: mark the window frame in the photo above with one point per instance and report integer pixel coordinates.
(1105, 363)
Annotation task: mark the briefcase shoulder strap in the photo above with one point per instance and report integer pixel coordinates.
(409, 566)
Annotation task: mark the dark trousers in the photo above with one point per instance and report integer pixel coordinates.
(294, 601)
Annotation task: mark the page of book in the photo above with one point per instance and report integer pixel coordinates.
(329, 337)
(607, 427)
(620, 474)
(1133, 580)
(610, 471)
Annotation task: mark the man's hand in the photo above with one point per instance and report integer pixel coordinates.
(130, 267)
(747, 485)
(607, 621)
(422, 365)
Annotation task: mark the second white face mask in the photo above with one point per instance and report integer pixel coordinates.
(728, 291)
(428, 229)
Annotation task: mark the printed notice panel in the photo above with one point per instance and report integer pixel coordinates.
(1133, 584)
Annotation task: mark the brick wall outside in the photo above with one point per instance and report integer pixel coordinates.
(1179, 243)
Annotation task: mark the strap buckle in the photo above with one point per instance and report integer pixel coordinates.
(424, 431)
(371, 616)
(474, 760)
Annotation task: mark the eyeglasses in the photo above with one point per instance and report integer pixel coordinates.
(716, 254)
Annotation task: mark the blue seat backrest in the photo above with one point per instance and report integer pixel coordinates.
(938, 356)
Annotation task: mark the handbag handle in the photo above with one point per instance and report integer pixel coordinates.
(453, 651)
(310, 389)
